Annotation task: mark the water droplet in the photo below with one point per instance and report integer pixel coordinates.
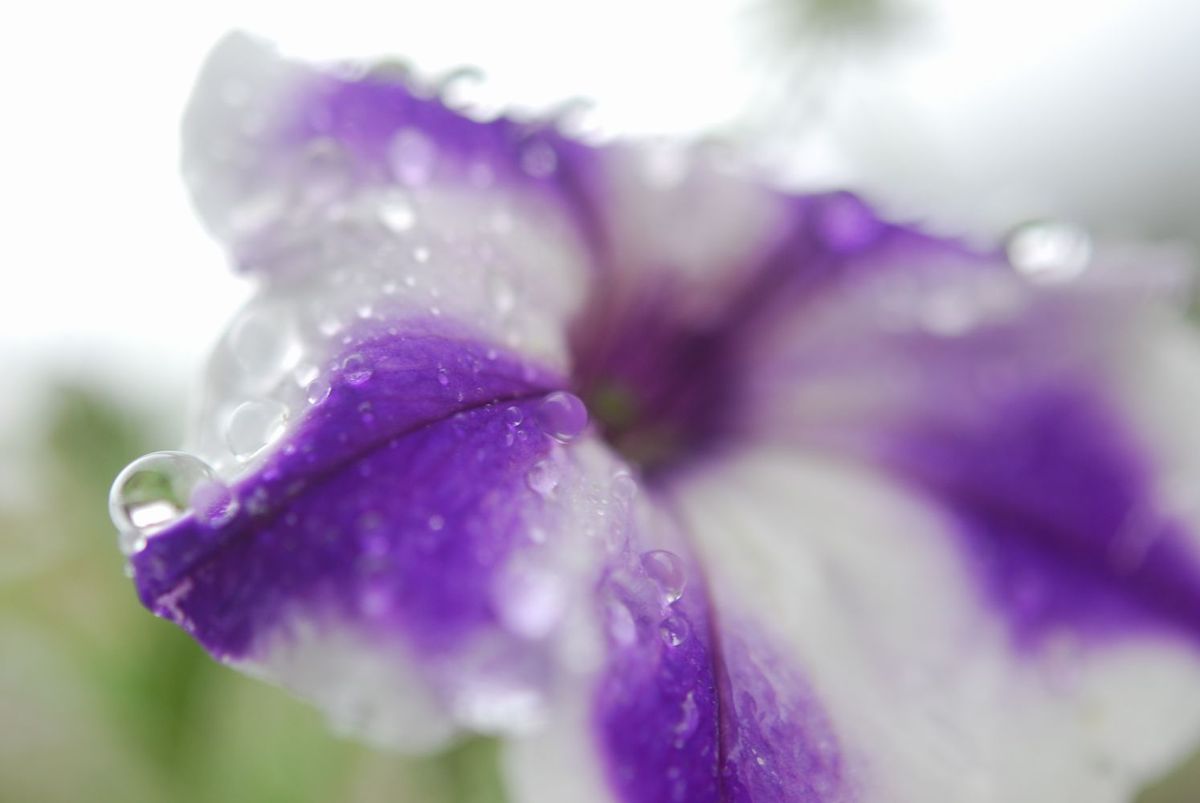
(543, 478)
(674, 630)
(317, 391)
(355, 369)
(688, 721)
(513, 416)
(442, 377)
(562, 415)
(397, 213)
(152, 492)
(436, 522)
(538, 159)
(1049, 253)
(264, 343)
(412, 156)
(255, 425)
(668, 572)
(624, 486)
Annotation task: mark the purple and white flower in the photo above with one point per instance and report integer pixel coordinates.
(693, 489)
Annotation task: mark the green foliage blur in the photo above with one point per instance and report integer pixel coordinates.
(100, 701)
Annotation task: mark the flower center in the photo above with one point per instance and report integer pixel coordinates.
(661, 391)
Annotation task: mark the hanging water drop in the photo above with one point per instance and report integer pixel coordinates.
(153, 492)
(668, 572)
(254, 426)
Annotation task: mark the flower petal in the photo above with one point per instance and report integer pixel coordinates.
(414, 526)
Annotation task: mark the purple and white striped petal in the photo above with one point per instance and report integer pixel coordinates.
(909, 524)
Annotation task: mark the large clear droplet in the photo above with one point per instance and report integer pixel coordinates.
(254, 426)
(153, 492)
(562, 415)
(1049, 252)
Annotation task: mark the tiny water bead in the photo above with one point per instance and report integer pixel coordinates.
(667, 571)
(157, 489)
(1048, 252)
(254, 426)
(674, 630)
(317, 391)
(355, 369)
(563, 416)
(543, 478)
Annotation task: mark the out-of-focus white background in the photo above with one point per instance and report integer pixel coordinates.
(970, 115)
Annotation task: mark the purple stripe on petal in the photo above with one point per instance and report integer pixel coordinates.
(1059, 516)
(689, 710)
(393, 502)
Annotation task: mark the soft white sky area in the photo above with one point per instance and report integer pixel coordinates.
(989, 112)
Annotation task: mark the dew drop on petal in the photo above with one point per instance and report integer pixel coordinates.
(624, 486)
(1049, 252)
(254, 426)
(355, 369)
(562, 415)
(436, 522)
(674, 630)
(317, 391)
(513, 416)
(152, 492)
(667, 571)
(543, 478)
(412, 156)
(264, 343)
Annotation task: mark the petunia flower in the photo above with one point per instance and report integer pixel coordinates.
(690, 488)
